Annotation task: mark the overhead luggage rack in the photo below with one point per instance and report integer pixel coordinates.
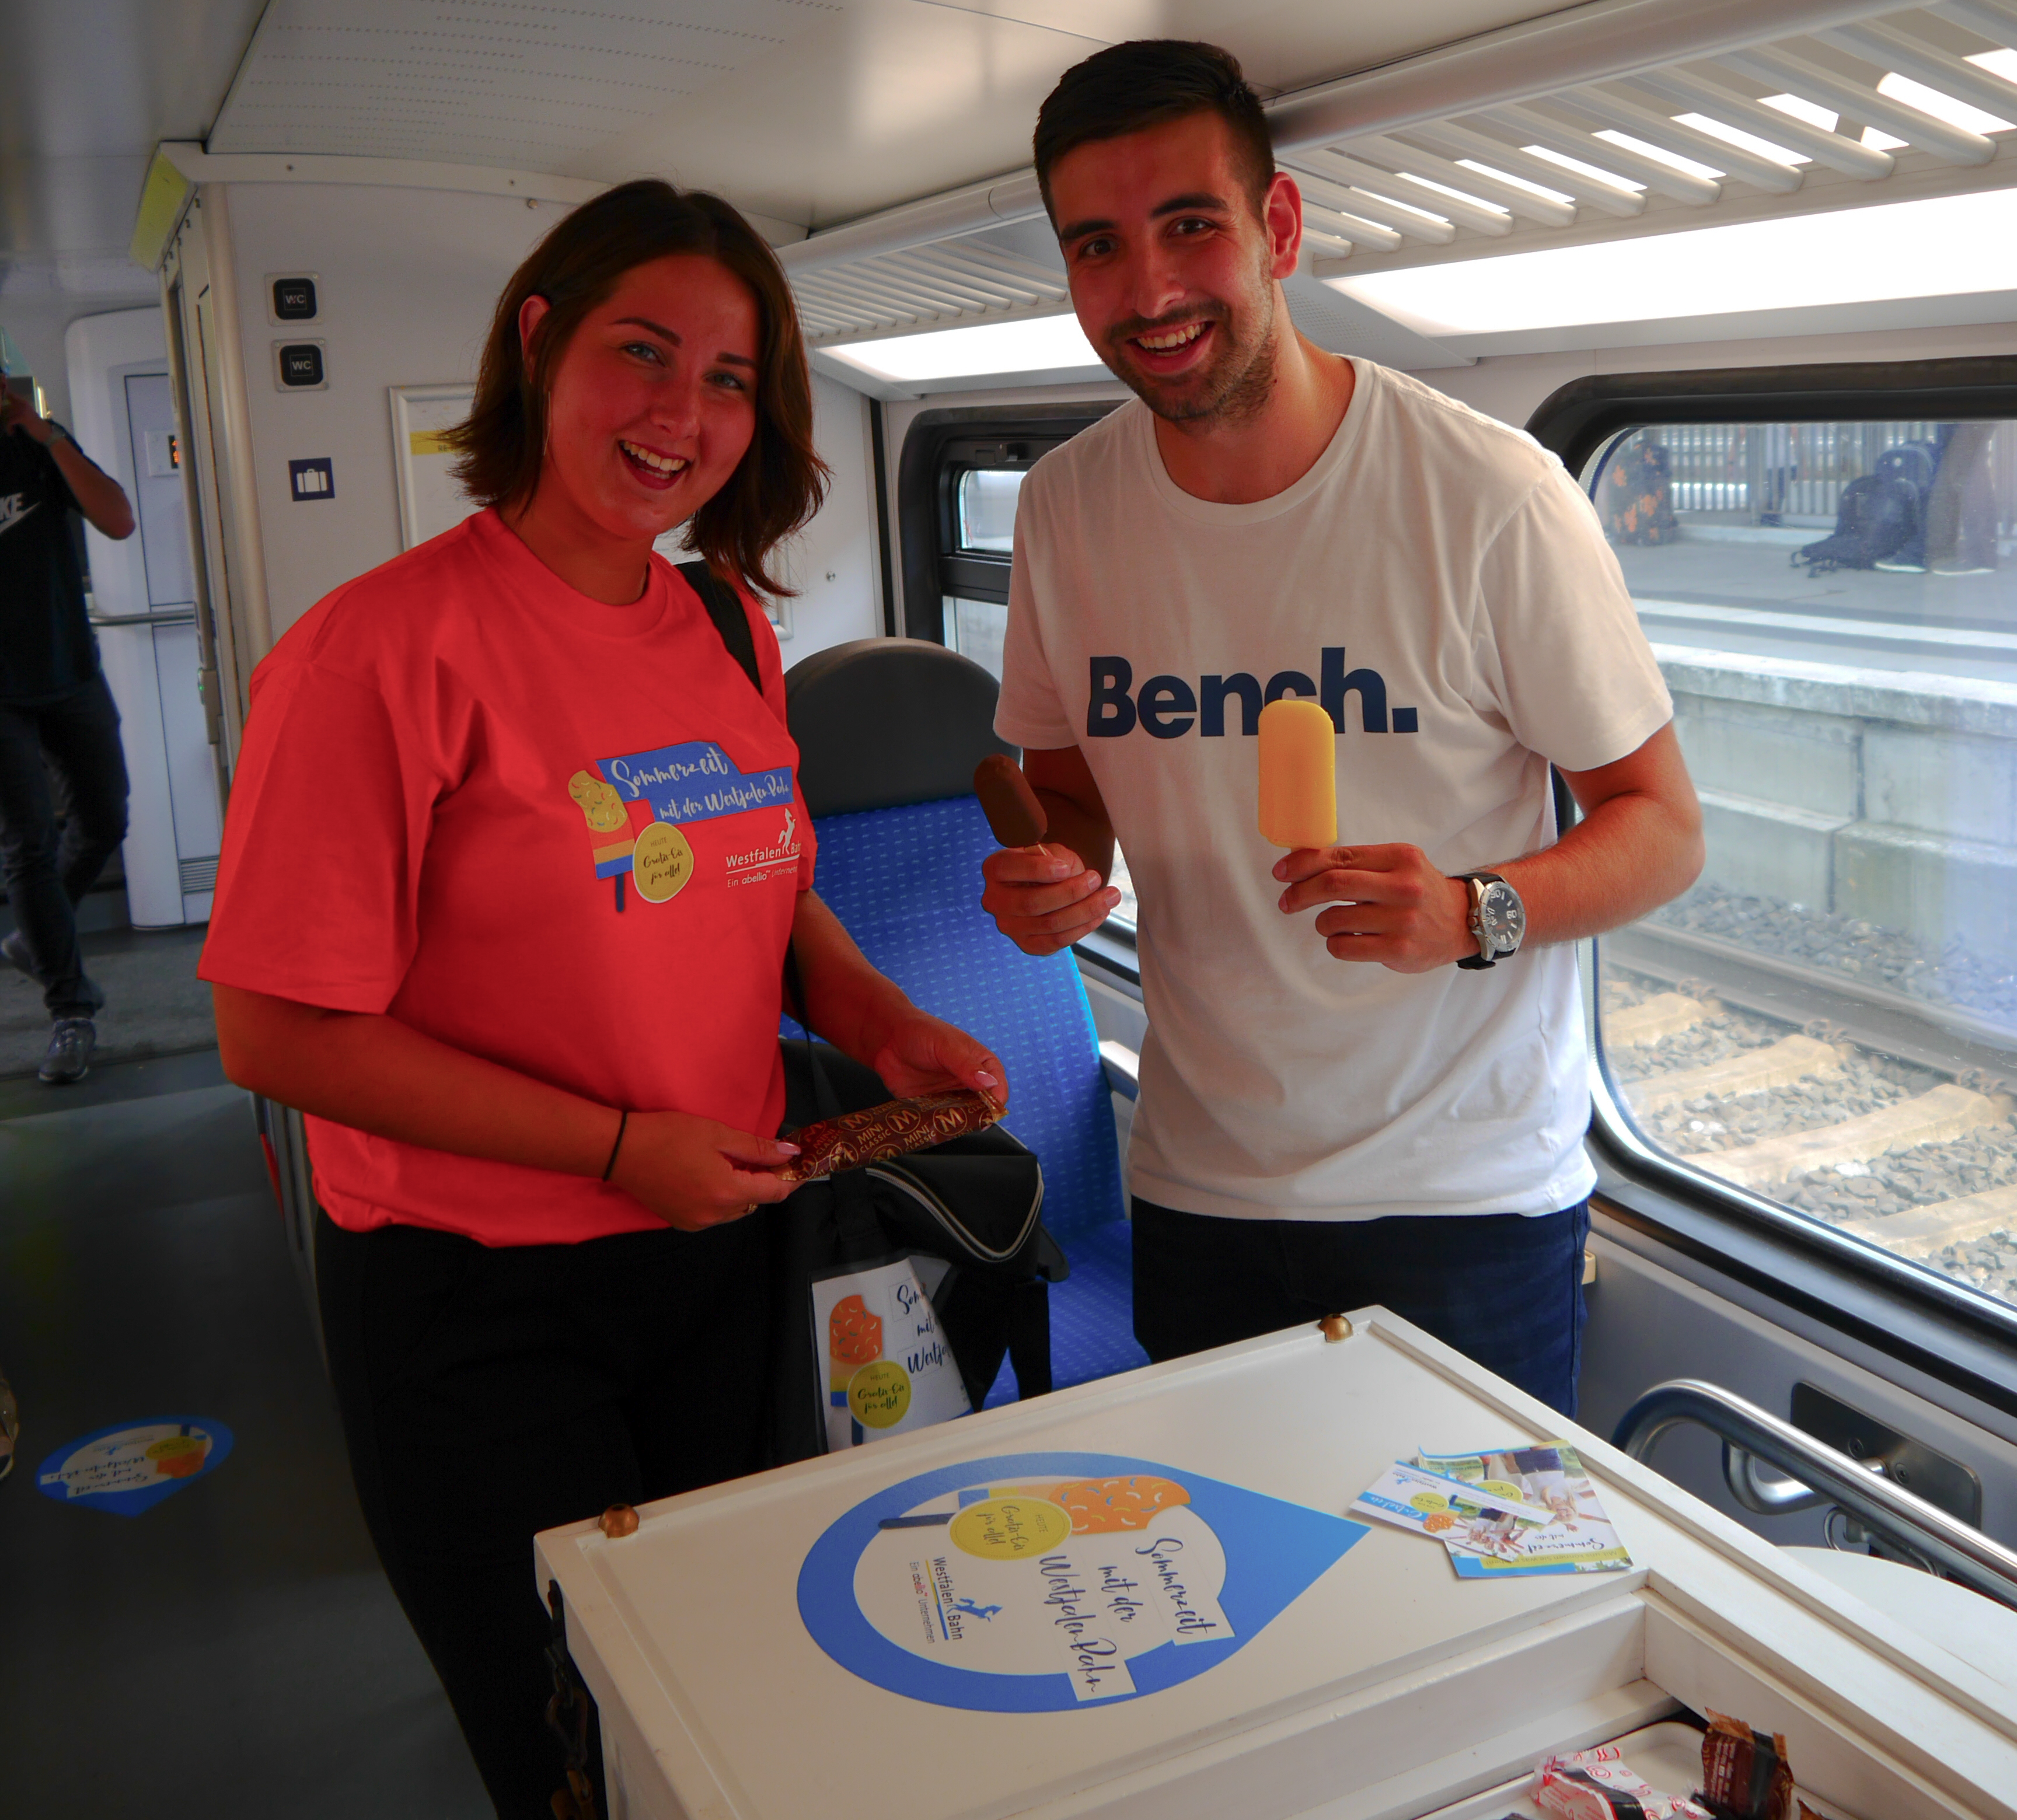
(1604, 121)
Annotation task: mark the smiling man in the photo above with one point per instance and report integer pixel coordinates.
(1384, 1101)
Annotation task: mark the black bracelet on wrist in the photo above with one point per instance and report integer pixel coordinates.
(622, 1125)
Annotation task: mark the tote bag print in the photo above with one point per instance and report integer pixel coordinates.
(888, 1369)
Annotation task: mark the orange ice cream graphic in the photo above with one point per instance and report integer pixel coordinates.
(179, 1456)
(612, 829)
(1100, 1507)
(853, 1339)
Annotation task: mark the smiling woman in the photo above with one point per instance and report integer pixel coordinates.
(525, 982)
(692, 356)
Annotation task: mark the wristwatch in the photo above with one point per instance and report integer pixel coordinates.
(1498, 919)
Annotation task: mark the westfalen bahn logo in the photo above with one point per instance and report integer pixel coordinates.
(637, 806)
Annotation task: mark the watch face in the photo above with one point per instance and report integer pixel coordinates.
(1501, 918)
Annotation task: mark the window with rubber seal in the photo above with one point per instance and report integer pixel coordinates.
(984, 524)
(1828, 1018)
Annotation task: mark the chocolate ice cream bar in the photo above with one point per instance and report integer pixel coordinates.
(1010, 805)
(896, 1128)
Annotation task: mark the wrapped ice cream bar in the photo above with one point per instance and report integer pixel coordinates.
(1596, 1784)
(896, 1128)
(1744, 1773)
(1298, 775)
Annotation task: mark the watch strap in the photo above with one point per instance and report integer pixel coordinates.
(1477, 881)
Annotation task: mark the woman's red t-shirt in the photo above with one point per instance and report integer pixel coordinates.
(564, 836)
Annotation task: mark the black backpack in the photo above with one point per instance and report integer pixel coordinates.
(973, 1206)
(1879, 516)
(1913, 463)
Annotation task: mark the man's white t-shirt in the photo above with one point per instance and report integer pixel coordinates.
(1438, 582)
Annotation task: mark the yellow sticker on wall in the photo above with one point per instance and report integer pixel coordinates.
(1010, 1529)
(879, 1393)
(661, 862)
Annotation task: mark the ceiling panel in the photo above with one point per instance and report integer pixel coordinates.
(532, 85)
(1692, 142)
(87, 89)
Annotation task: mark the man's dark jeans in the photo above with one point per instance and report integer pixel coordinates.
(1505, 1289)
(47, 873)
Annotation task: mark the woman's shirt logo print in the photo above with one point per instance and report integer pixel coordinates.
(625, 798)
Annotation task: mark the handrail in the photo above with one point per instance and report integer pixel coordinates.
(1959, 1552)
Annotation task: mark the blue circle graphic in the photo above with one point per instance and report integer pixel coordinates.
(1274, 1551)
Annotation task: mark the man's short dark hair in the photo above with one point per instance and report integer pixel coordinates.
(1129, 87)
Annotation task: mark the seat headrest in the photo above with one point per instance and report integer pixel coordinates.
(885, 721)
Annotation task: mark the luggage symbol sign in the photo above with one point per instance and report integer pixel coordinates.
(1048, 1582)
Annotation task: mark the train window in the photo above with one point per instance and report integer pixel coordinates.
(1828, 1019)
(971, 464)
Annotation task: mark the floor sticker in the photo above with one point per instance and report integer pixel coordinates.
(131, 1466)
(1045, 1582)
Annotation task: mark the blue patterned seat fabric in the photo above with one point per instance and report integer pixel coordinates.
(906, 884)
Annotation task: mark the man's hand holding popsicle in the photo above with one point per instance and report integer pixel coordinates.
(1391, 905)
(1042, 895)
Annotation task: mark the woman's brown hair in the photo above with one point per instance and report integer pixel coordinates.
(780, 481)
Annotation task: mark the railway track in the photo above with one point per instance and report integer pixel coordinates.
(1889, 1119)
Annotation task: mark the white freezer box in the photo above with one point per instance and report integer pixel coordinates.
(889, 1633)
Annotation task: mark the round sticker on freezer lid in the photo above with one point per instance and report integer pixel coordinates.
(1046, 1582)
(131, 1466)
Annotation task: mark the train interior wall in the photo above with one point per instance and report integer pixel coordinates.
(407, 281)
(408, 277)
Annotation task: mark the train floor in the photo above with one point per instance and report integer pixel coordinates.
(233, 1648)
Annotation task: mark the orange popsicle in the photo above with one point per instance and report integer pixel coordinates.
(1298, 775)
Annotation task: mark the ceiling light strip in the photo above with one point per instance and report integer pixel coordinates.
(1346, 227)
(1611, 109)
(1342, 200)
(1836, 150)
(1664, 179)
(1405, 192)
(1890, 50)
(1607, 196)
(1399, 156)
(1809, 80)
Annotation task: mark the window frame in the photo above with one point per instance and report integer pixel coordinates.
(1916, 1316)
(938, 447)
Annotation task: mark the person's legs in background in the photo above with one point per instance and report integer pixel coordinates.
(1505, 1289)
(1960, 514)
(47, 875)
(1203, 1280)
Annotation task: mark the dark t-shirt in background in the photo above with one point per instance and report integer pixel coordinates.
(47, 649)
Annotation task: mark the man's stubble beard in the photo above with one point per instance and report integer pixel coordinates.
(1241, 395)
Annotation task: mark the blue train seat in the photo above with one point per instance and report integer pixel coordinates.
(889, 732)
